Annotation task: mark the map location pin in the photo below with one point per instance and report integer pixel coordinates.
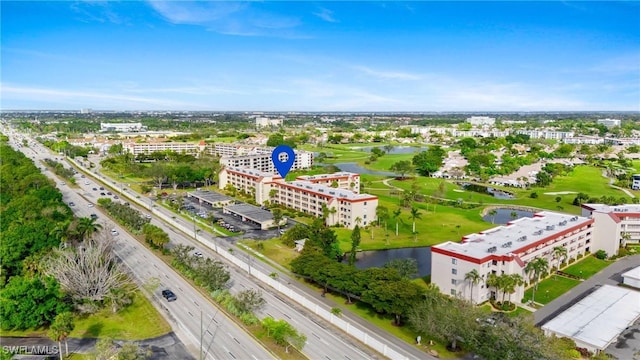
(283, 165)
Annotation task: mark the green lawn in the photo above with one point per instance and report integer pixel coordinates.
(551, 288)
(587, 267)
(273, 249)
(138, 321)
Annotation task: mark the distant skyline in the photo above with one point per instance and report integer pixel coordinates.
(416, 56)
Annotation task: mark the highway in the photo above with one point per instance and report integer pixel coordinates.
(323, 341)
(221, 337)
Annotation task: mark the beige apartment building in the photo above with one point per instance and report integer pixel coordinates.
(345, 207)
(507, 249)
(248, 180)
(342, 180)
(150, 147)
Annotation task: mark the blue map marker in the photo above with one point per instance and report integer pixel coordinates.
(282, 164)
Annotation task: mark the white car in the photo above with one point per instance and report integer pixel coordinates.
(86, 183)
(197, 253)
(90, 205)
(114, 232)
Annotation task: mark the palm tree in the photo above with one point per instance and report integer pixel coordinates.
(415, 215)
(473, 277)
(357, 220)
(60, 328)
(87, 227)
(60, 232)
(493, 213)
(512, 282)
(560, 253)
(494, 281)
(536, 267)
(382, 213)
(396, 215)
(625, 237)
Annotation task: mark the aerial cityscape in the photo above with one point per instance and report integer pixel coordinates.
(320, 180)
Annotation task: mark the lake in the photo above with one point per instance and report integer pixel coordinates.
(503, 215)
(377, 258)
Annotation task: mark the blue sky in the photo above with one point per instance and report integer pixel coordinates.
(321, 56)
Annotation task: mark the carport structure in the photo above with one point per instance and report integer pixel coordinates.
(253, 214)
(597, 320)
(211, 197)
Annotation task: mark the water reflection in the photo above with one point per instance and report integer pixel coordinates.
(504, 215)
(377, 258)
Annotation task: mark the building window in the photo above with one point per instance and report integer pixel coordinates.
(454, 271)
(454, 282)
(454, 261)
(365, 203)
(453, 292)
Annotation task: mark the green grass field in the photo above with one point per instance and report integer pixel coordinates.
(587, 267)
(138, 321)
(550, 288)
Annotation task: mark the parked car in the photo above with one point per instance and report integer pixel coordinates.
(197, 253)
(90, 205)
(94, 216)
(114, 232)
(94, 189)
(169, 295)
(72, 203)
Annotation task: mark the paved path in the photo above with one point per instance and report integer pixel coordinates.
(163, 347)
(611, 180)
(610, 275)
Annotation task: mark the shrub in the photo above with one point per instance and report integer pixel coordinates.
(600, 254)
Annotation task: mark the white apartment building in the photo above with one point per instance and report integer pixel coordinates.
(248, 180)
(546, 134)
(588, 140)
(262, 161)
(345, 207)
(636, 182)
(266, 122)
(616, 224)
(481, 121)
(609, 122)
(342, 180)
(507, 249)
(179, 147)
(122, 127)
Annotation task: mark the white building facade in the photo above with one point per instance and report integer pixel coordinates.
(179, 147)
(506, 250)
(481, 121)
(342, 180)
(262, 161)
(122, 127)
(617, 225)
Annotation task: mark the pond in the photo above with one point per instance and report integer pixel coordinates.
(395, 150)
(356, 168)
(496, 193)
(377, 258)
(503, 215)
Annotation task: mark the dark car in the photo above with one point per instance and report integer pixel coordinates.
(169, 295)
(94, 216)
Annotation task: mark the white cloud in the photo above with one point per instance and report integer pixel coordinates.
(229, 18)
(398, 75)
(326, 15)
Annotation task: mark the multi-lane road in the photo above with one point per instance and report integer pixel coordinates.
(221, 337)
(226, 339)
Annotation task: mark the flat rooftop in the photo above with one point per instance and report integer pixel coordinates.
(517, 234)
(209, 196)
(331, 191)
(599, 318)
(253, 172)
(251, 212)
(633, 274)
(630, 208)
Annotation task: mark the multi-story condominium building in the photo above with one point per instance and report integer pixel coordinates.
(342, 180)
(546, 134)
(636, 182)
(609, 122)
(481, 120)
(179, 147)
(616, 224)
(345, 207)
(425, 131)
(248, 180)
(222, 149)
(262, 161)
(122, 127)
(265, 122)
(579, 140)
(506, 250)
